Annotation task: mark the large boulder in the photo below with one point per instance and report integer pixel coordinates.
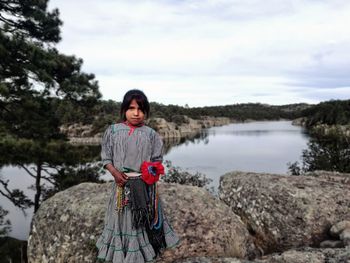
(283, 212)
(66, 226)
(206, 226)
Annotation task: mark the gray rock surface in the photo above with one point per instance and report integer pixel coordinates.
(283, 212)
(305, 255)
(206, 225)
(332, 244)
(212, 260)
(312, 255)
(345, 237)
(66, 226)
(339, 227)
(172, 130)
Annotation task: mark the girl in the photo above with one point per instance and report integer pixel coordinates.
(135, 229)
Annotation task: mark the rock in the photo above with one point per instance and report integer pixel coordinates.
(303, 255)
(62, 226)
(331, 244)
(299, 121)
(283, 212)
(212, 260)
(84, 134)
(77, 130)
(345, 236)
(336, 177)
(338, 130)
(66, 226)
(205, 225)
(339, 227)
(190, 127)
(96, 140)
(313, 255)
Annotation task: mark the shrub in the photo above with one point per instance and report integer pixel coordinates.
(177, 175)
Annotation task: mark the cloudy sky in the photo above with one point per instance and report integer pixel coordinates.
(212, 52)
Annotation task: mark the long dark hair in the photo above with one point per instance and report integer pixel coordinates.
(139, 97)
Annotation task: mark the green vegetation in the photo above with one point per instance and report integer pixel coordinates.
(328, 124)
(106, 112)
(326, 151)
(37, 86)
(12, 250)
(177, 175)
(5, 225)
(334, 112)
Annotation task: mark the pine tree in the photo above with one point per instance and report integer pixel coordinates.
(33, 75)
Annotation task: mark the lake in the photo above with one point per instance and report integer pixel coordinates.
(254, 147)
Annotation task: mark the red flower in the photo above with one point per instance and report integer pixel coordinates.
(150, 171)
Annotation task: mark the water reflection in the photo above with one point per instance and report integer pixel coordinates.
(202, 136)
(254, 147)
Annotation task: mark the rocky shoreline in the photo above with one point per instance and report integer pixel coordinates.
(83, 134)
(257, 218)
(325, 129)
(172, 130)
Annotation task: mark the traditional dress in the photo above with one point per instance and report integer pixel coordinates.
(123, 240)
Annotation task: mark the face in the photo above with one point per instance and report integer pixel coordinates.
(134, 114)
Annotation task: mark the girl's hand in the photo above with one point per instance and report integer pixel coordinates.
(120, 178)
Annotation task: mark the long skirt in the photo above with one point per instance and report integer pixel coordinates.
(120, 242)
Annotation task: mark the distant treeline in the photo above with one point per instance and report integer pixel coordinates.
(240, 112)
(108, 111)
(105, 112)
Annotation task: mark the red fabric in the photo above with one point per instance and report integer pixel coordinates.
(150, 171)
(132, 127)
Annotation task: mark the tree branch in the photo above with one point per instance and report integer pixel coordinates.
(11, 198)
(26, 169)
(48, 179)
(5, 185)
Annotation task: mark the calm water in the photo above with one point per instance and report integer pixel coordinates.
(255, 146)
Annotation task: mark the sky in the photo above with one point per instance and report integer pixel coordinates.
(212, 52)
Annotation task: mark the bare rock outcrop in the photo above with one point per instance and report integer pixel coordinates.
(284, 212)
(189, 127)
(66, 226)
(79, 133)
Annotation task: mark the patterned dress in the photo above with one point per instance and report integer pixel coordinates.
(127, 147)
